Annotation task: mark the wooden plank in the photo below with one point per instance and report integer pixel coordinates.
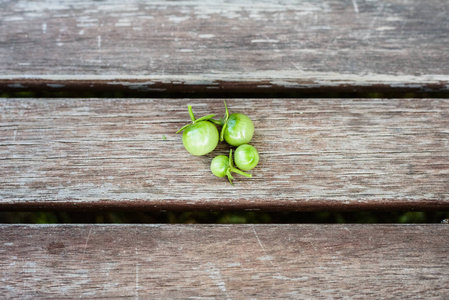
(224, 262)
(316, 154)
(221, 46)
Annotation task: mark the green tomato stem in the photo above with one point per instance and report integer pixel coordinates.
(224, 122)
(235, 170)
(227, 112)
(183, 127)
(216, 122)
(223, 131)
(192, 117)
(231, 161)
(230, 178)
(205, 118)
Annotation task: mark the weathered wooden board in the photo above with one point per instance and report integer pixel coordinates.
(224, 262)
(217, 46)
(316, 154)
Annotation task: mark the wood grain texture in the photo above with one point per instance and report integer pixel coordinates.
(316, 154)
(216, 46)
(224, 262)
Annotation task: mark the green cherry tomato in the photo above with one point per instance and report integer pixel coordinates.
(239, 130)
(219, 165)
(200, 138)
(246, 157)
(236, 129)
(222, 166)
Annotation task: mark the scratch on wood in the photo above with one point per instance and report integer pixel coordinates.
(373, 22)
(266, 257)
(278, 274)
(356, 8)
(215, 274)
(87, 241)
(258, 240)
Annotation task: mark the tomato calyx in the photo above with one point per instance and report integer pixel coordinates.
(223, 122)
(231, 168)
(194, 120)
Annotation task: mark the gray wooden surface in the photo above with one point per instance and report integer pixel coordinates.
(224, 262)
(216, 46)
(316, 154)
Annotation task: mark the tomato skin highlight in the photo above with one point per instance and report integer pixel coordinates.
(200, 138)
(239, 129)
(246, 157)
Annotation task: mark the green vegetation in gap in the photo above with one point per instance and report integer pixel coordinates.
(252, 217)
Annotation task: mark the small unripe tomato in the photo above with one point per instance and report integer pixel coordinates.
(239, 129)
(220, 165)
(200, 138)
(246, 157)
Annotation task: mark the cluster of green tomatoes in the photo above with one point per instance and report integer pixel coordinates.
(201, 137)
